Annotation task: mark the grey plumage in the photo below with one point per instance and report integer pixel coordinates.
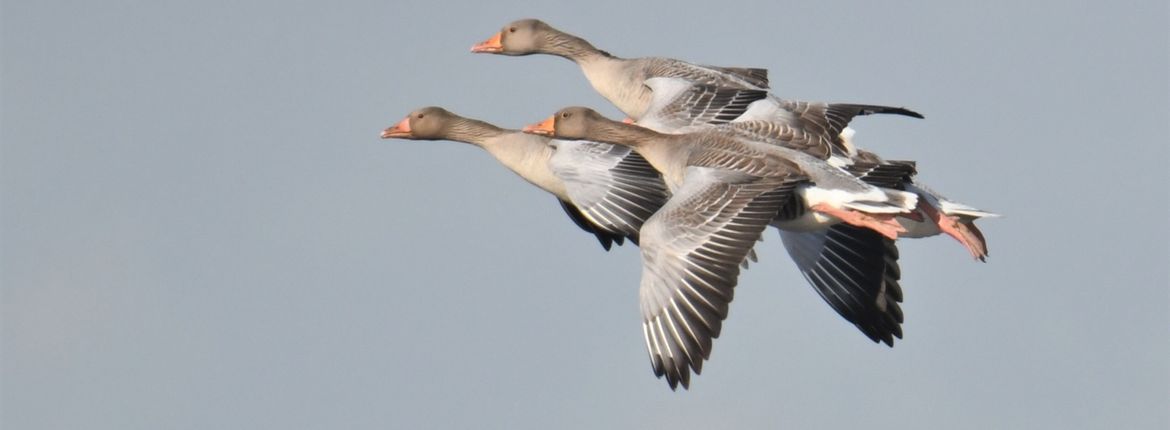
(691, 250)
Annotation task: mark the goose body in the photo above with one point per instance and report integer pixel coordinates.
(726, 190)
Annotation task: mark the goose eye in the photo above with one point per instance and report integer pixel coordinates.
(419, 116)
(564, 114)
(512, 29)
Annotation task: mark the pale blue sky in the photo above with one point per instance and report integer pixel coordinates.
(201, 229)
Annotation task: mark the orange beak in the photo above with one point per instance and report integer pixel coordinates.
(628, 120)
(491, 46)
(544, 128)
(402, 129)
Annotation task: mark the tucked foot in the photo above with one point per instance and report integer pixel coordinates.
(970, 236)
(881, 223)
(963, 231)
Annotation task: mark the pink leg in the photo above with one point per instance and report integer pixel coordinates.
(881, 223)
(964, 232)
(975, 238)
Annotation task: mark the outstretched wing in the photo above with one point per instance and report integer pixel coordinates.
(691, 252)
(825, 121)
(613, 187)
(832, 118)
(754, 76)
(855, 270)
(738, 77)
(676, 104)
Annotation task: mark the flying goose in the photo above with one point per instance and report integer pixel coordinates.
(613, 191)
(691, 247)
(617, 79)
(853, 269)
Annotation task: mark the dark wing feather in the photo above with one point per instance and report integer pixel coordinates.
(892, 174)
(829, 119)
(856, 272)
(737, 77)
(606, 238)
(677, 103)
(715, 105)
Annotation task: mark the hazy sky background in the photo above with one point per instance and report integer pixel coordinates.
(202, 230)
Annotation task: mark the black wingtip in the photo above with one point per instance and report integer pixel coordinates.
(900, 111)
(876, 109)
(910, 113)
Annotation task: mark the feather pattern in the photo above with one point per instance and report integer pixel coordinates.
(678, 105)
(612, 186)
(622, 81)
(691, 251)
(855, 271)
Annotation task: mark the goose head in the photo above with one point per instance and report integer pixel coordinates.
(523, 37)
(573, 123)
(428, 123)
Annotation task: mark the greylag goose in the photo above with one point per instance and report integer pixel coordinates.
(617, 79)
(613, 191)
(853, 269)
(726, 190)
(677, 104)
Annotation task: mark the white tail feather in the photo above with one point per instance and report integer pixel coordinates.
(958, 209)
(896, 202)
(847, 139)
